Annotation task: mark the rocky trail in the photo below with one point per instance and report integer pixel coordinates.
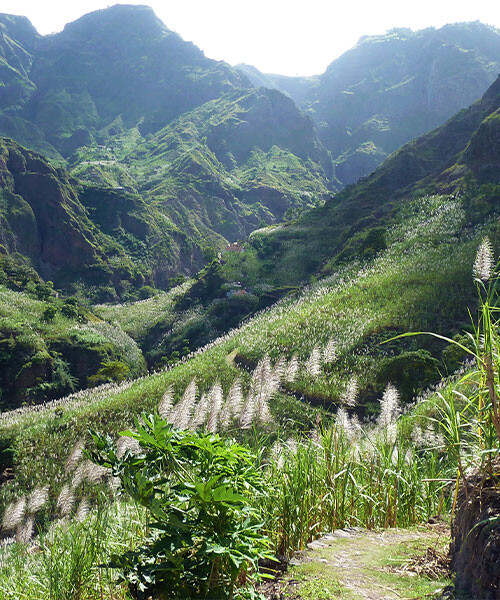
(355, 564)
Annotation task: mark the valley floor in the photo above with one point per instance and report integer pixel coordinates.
(356, 564)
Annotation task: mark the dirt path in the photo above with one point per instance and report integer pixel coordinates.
(384, 565)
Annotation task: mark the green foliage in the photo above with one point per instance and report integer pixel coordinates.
(49, 313)
(197, 490)
(67, 564)
(71, 310)
(49, 348)
(114, 370)
(413, 371)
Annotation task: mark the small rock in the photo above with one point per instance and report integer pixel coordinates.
(316, 545)
(341, 533)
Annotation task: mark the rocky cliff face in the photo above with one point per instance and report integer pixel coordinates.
(41, 216)
(392, 88)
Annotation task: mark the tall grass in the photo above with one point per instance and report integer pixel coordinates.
(66, 562)
(335, 480)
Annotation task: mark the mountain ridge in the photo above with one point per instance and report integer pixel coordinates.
(391, 88)
(101, 97)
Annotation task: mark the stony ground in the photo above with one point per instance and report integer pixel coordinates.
(376, 565)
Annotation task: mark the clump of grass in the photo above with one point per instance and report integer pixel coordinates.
(65, 562)
(352, 475)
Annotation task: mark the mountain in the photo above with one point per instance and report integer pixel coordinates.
(247, 158)
(462, 157)
(178, 154)
(392, 88)
(118, 61)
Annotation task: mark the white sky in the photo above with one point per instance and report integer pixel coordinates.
(276, 36)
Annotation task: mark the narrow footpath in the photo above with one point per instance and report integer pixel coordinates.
(355, 564)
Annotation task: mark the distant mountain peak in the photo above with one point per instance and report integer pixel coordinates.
(18, 27)
(137, 17)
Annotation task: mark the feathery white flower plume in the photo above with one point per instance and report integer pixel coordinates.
(181, 414)
(262, 411)
(125, 443)
(200, 412)
(83, 510)
(215, 397)
(225, 416)
(351, 392)
(390, 410)
(313, 364)
(279, 369)
(165, 406)
(37, 499)
(329, 352)
(66, 500)
(25, 531)
(248, 412)
(14, 514)
(265, 382)
(343, 422)
(291, 369)
(484, 263)
(75, 456)
(276, 455)
(94, 473)
(235, 399)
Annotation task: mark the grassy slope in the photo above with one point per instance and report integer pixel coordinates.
(43, 358)
(422, 280)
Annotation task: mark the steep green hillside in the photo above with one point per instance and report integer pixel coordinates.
(100, 240)
(52, 347)
(461, 157)
(392, 88)
(233, 163)
(179, 154)
(117, 62)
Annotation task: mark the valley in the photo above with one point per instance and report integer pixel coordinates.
(241, 311)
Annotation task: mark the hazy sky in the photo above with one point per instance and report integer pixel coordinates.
(276, 36)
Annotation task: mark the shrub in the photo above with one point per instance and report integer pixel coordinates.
(113, 370)
(49, 313)
(197, 488)
(414, 370)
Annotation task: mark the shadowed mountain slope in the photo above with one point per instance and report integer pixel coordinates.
(461, 157)
(392, 88)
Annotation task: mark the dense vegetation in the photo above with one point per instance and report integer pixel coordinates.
(285, 398)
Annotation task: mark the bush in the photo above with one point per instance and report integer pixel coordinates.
(49, 313)
(70, 308)
(113, 370)
(205, 538)
(413, 371)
